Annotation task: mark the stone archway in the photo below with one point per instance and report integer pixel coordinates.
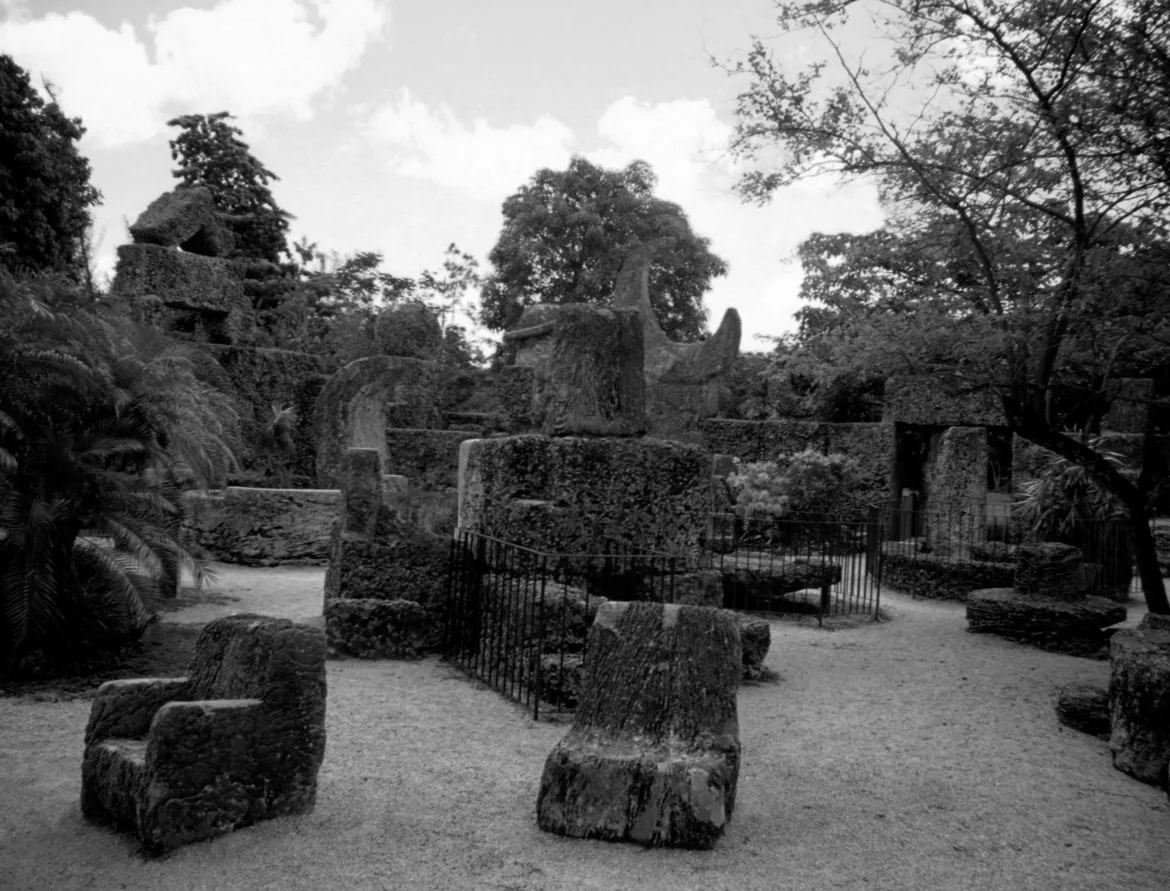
(365, 397)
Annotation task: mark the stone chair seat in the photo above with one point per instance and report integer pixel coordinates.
(240, 739)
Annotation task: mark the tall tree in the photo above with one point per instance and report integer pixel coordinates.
(1001, 137)
(567, 232)
(211, 153)
(45, 192)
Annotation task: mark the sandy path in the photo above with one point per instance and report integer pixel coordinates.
(906, 755)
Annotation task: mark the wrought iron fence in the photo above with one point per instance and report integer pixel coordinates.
(979, 535)
(794, 563)
(518, 618)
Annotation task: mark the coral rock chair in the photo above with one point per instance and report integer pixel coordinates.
(239, 740)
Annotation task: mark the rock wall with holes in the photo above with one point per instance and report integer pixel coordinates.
(571, 494)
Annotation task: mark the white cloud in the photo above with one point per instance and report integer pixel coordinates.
(250, 56)
(487, 163)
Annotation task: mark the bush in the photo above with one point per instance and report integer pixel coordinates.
(809, 482)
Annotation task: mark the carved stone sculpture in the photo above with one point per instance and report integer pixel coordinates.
(653, 755)
(240, 739)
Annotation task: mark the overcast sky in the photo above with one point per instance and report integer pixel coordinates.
(401, 125)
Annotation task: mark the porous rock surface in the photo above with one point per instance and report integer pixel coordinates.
(240, 739)
(1076, 627)
(653, 754)
(184, 217)
(1139, 701)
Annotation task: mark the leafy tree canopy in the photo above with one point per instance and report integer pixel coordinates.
(1019, 149)
(567, 232)
(210, 153)
(45, 193)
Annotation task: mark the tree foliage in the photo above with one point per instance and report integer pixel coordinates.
(566, 234)
(45, 192)
(1019, 149)
(101, 428)
(210, 153)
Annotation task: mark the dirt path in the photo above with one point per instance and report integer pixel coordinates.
(904, 755)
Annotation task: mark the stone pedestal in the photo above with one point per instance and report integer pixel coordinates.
(653, 755)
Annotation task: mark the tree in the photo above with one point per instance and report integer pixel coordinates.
(1016, 164)
(99, 435)
(45, 193)
(210, 153)
(566, 234)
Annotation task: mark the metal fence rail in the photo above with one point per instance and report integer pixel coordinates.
(518, 618)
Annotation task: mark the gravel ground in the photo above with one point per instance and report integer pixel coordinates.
(901, 755)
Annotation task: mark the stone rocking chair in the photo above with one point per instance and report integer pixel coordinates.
(240, 739)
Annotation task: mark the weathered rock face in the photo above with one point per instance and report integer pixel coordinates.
(1077, 628)
(650, 494)
(408, 329)
(363, 399)
(683, 380)
(184, 217)
(1139, 703)
(1049, 569)
(195, 295)
(265, 527)
(1085, 708)
(653, 755)
(240, 739)
(586, 366)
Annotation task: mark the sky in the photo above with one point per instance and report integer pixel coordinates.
(400, 126)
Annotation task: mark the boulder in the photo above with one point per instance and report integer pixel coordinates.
(1139, 702)
(184, 217)
(653, 754)
(1085, 708)
(1077, 628)
(700, 587)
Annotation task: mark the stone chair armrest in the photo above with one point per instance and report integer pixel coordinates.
(190, 740)
(125, 708)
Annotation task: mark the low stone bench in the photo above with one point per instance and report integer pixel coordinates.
(653, 755)
(1074, 627)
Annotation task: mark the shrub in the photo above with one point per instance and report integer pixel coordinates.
(809, 482)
